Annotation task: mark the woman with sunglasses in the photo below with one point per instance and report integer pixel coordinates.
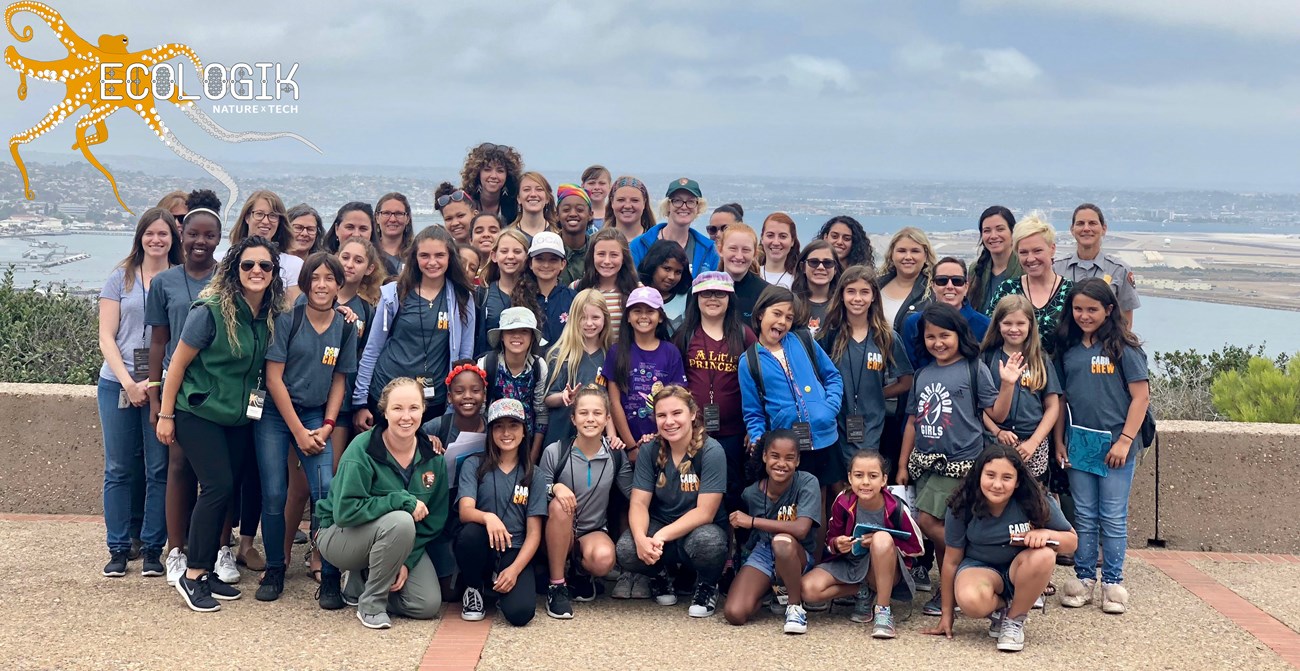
(457, 209)
(949, 286)
(723, 216)
(683, 204)
(491, 174)
(814, 279)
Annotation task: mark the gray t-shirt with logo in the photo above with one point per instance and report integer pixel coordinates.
(944, 412)
(171, 294)
(1027, 405)
(1096, 389)
(801, 499)
(311, 359)
(987, 539)
(864, 372)
(509, 496)
(682, 487)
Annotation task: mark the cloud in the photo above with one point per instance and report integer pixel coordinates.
(1254, 18)
(814, 73)
(995, 69)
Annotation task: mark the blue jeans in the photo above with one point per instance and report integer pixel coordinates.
(1101, 508)
(273, 439)
(128, 440)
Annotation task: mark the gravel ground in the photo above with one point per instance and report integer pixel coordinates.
(1166, 628)
(1273, 588)
(60, 613)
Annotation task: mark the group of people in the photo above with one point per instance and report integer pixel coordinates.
(552, 388)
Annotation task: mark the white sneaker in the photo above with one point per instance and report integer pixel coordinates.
(226, 568)
(176, 565)
(1114, 599)
(1077, 593)
(796, 619)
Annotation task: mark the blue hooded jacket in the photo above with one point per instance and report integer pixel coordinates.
(821, 401)
(706, 255)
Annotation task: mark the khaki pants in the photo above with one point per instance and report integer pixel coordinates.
(378, 548)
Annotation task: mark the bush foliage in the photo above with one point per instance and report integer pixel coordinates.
(47, 335)
(1263, 392)
(1181, 380)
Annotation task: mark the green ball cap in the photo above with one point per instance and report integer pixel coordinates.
(684, 184)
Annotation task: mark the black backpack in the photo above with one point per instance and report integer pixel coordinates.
(751, 358)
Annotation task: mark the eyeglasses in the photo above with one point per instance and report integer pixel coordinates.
(683, 202)
(300, 230)
(714, 230)
(247, 266)
(259, 216)
(943, 280)
(456, 196)
(391, 214)
(820, 263)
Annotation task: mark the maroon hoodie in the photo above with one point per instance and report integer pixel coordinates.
(844, 514)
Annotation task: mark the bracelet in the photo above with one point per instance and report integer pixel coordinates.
(329, 423)
(152, 385)
(162, 416)
(1126, 435)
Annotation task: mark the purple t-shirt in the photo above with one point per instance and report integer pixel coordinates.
(649, 372)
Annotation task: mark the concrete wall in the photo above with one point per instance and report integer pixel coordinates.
(1224, 487)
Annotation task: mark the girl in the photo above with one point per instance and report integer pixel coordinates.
(501, 505)
(515, 369)
(469, 261)
(575, 361)
(905, 286)
(491, 174)
(724, 216)
(997, 529)
(540, 286)
(997, 260)
(873, 565)
(124, 410)
(1036, 403)
(307, 365)
(682, 205)
(712, 340)
(1104, 374)
(610, 271)
(171, 295)
(1035, 245)
(943, 434)
(676, 517)
(851, 243)
(780, 249)
(739, 245)
(393, 214)
(509, 259)
(782, 510)
(536, 207)
(263, 214)
(576, 523)
(457, 209)
(868, 354)
(212, 389)
(388, 502)
(595, 180)
(483, 234)
(354, 220)
(814, 278)
(425, 321)
(628, 211)
(305, 231)
(176, 203)
(949, 286)
(666, 269)
(640, 365)
(575, 229)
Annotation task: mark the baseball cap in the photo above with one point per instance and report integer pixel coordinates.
(546, 241)
(506, 408)
(713, 281)
(684, 184)
(645, 296)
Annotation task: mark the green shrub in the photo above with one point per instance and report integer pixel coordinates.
(1181, 380)
(1264, 392)
(47, 335)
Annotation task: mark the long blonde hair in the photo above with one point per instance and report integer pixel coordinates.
(918, 236)
(368, 290)
(568, 347)
(697, 433)
(1032, 350)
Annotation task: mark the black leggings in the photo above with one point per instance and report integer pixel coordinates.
(216, 454)
(478, 561)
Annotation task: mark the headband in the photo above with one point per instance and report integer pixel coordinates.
(201, 209)
(465, 368)
(566, 190)
(629, 181)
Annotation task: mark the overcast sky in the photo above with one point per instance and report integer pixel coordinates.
(1136, 93)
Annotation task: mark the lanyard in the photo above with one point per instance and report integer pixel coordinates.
(425, 336)
(855, 370)
(801, 408)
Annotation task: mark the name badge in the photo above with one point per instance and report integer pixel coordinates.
(123, 401)
(803, 435)
(712, 418)
(429, 391)
(856, 428)
(140, 361)
(256, 401)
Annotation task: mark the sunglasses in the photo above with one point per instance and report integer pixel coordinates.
(489, 147)
(714, 230)
(247, 266)
(457, 196)
(820, 263)
(943, 280)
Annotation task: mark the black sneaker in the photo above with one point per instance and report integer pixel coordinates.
(196, 594)
(705, 601)
(299, 538)
(152, 566)
(222, 590)
(272, 584)
(116, 566)
(661, 588)
(582, 588)
(137, 546)
(921, 578)
(557, 602)
(328, 595)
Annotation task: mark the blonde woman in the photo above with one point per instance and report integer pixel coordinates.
(905, 284)
(1035, 245)
(682, 205)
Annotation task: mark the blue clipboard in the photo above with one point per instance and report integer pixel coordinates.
(864, 529)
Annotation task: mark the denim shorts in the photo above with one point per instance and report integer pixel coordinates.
(763, 559)
(1008, 590)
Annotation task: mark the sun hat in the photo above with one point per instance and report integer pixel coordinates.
(513, 319)
(645, 296)
(714, 280)
(684, 184)
(546, 242)
(506, 408)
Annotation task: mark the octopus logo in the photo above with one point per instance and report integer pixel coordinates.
(85, 72)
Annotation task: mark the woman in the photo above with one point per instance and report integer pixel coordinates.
(739, 246)
(176, 203)
(1088, 226)
(595, 180)
(676, 516)
(393, 214)
(388, 501)
(1035, 245)
(628, 210)
(722, 217)
(457, 210)
(537, 211)
(780, 255)
(683, 205)
(997, 261)
(211, 392)
(307, 235)
(814, 282)
(123, 403)
(491, 174)
(948, 286)
(264, 214)
(170, 297)
(354, 219)
(851, 243)
(905, 286)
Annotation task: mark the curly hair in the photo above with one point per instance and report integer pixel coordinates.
(225, 287)
(968, 500)
(860, 249)
(697, 432)
(484, 155)
(206, 199)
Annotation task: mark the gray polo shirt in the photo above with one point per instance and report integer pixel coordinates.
(509, 496)
(682, 487)
(1027, 405)
(311, 359)
(1106, 266)
(987, 539)
(591, 480)
(802, 498)
(1095, 388)
(941, 405)
(171, 294)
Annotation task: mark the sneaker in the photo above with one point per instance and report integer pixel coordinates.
(863, 605)
(196, 594)
(1039, 602)
(662, 590)
(995, 622)
(299, 537)
(137, 548)
(152, 566)
(934, 606)
(220, 589)
(1077, 593)
(375, 621)
(883, 625)
(705, 601)
(226, 568)
(116, 566)
(1012, 637)
(640, 586)
(816, 606)
(557, 602)
(471, 605)
(796, 619)
(1114, 599)
(582, 588)
(272, 585)
(175, 565)
(623, 586)
(921, 576)
(328, 595)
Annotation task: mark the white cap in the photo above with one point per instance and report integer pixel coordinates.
(546, 241)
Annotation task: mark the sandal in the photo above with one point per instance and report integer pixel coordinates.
(1050, 590)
